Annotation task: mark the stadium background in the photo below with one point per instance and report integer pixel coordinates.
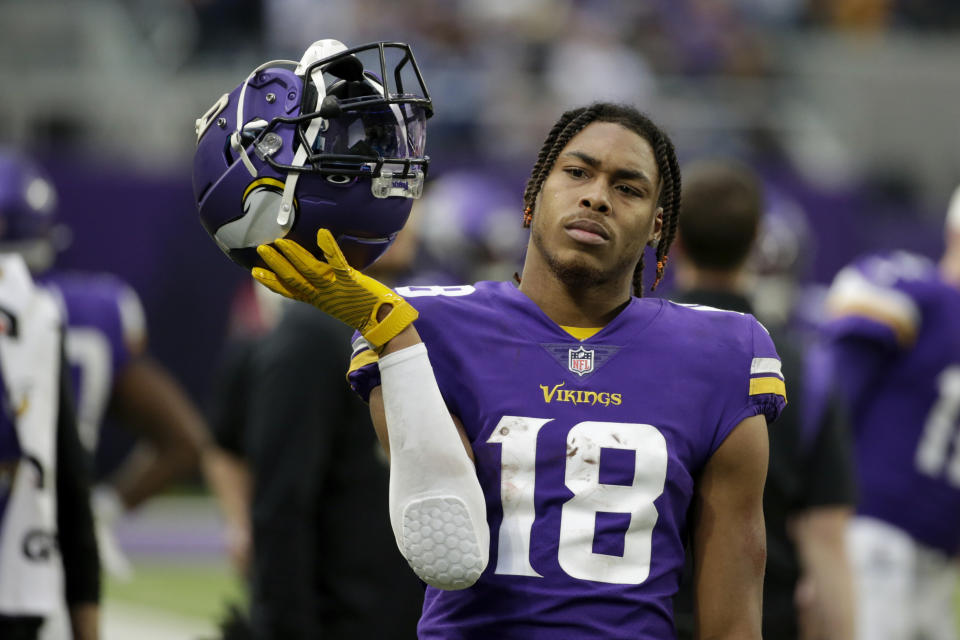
(846, 107)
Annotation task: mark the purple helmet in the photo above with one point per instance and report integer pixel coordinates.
(28, 204)
(336, 143)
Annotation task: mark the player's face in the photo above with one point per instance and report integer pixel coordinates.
(598, 206)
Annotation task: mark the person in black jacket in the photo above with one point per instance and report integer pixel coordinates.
(809, 491)
(323, 561)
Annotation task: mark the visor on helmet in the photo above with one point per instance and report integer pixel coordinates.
(385, 131)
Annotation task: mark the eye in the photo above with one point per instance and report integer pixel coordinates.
(575, 172)
(630, 191)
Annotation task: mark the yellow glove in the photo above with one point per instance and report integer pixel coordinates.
(334, 287)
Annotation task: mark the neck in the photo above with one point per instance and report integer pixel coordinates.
(574, 306)
(690, 277)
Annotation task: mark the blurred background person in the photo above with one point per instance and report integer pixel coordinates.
(48, 551)
(809, 491)
(110, 368)
(896, 349)
(461, 223)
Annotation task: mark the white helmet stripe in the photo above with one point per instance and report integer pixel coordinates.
(317, 51)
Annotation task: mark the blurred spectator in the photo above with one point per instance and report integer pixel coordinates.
(221, 24)
(48, 550)
(593, 60)
(860, 15)
(808, 494)
(462, 221)
(894, 345)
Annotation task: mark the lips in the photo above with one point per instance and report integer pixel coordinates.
(587, 231)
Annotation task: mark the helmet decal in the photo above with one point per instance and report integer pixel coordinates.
(258, 224)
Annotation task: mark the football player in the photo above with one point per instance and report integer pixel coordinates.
(553, 444)
(48, 550)
(897, 352)
(110, 367)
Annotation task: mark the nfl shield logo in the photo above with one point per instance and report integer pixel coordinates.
(581, 361)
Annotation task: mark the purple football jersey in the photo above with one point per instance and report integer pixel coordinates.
(105, 328)
(896, 348)
(586, 452)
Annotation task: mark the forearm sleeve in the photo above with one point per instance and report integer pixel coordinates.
(437, 506)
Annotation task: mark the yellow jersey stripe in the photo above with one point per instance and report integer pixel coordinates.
(768, 385)
(581, 333)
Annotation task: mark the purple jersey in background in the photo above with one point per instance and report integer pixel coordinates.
(895, 340)
(105, 328)
(586, 451)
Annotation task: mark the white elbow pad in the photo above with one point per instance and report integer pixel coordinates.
(437, 507)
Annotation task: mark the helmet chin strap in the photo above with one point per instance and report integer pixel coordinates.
(317, 51)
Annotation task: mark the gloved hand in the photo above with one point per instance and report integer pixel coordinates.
(334, 287)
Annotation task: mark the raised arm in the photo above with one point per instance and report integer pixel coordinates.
(729, 541)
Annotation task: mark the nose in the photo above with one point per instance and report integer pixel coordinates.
(596, 200)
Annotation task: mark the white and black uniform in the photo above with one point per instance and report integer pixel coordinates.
(47, 546)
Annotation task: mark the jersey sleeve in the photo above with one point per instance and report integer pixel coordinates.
(761, 389)
(101, 307)
(767, 392)
(869, 301)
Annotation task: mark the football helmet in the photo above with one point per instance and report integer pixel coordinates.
(28, 206)
(337, 142)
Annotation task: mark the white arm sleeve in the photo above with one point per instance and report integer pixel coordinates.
(437, 507)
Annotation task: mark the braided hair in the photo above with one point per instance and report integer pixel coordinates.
(573, 122)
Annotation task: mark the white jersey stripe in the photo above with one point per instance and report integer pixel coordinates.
(765, 365)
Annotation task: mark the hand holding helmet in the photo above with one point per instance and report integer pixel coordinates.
(334, 287)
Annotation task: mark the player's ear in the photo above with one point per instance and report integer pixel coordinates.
(657, 227)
